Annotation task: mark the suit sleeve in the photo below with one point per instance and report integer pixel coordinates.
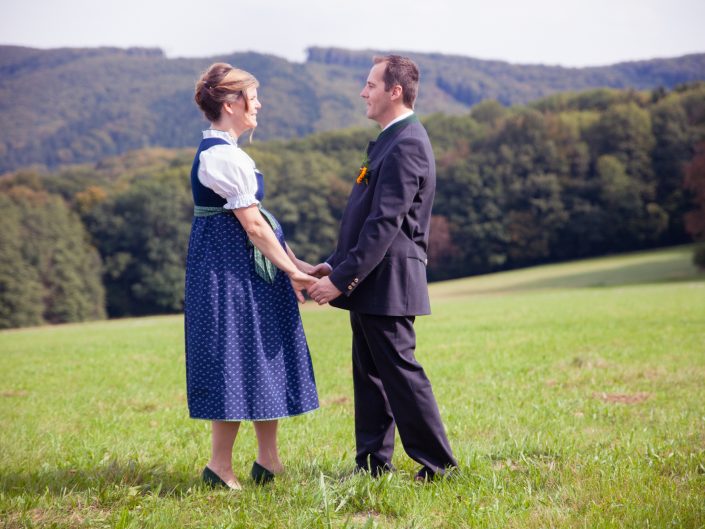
(398, 183)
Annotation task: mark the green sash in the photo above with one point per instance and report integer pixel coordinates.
(263, 266)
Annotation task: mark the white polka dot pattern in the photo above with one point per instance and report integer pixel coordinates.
(246, 352)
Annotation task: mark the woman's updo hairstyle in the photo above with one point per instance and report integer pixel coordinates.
(219, 84)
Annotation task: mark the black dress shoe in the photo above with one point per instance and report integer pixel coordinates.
(380, 470)
(213, 480)
(261, 475)
(426, 474)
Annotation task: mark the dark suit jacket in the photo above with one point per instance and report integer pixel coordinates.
(380, 260)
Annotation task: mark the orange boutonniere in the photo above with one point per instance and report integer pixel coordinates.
(362, 177)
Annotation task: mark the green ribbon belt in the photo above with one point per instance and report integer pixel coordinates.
(263, 266)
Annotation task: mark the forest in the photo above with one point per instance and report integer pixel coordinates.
(572, 175)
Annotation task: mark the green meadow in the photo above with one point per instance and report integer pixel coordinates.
(573, 395)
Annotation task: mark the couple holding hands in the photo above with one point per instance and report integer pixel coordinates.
(246, 353)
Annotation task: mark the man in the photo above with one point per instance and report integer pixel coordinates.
(378, 273)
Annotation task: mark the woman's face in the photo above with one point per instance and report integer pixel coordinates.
(248, 116)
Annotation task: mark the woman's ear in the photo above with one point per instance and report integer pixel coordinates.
(229, 107)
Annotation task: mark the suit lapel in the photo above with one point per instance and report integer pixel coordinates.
(387, 136)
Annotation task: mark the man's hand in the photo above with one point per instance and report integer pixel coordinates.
(323, 291)
(320, 270)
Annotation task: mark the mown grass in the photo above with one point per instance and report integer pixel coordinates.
(573, 396)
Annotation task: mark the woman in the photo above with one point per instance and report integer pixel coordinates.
(246, 353)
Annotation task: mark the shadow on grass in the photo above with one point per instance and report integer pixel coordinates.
(138, 478)
(112, 475)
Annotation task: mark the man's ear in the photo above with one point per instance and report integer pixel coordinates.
(396, 92)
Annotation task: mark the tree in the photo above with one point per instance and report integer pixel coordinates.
(142, 235)
(440, 247)
(489, 112)
(673, 148)
(629, 220)
(21, 301)
(536, 214)
(695, 182)
(48, 270)
(625, 132)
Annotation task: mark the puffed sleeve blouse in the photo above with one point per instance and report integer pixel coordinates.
(229, 171)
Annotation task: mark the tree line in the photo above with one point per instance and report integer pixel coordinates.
(573, 175)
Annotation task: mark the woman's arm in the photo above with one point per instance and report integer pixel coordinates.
(305, 267)
(320, 270)
(260, 233)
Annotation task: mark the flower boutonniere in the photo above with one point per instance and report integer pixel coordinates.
(362, 177)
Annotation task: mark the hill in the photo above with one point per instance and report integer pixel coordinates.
(635, 268)
(62, 106)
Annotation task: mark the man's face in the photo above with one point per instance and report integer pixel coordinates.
(379, 103)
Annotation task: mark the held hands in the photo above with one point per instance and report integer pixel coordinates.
(324, 291)
(301, 281)
(321, 291)
(320, 270)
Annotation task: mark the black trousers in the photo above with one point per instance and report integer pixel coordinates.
(391, 389)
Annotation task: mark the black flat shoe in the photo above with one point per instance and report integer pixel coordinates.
(214, 481)
(261, 475)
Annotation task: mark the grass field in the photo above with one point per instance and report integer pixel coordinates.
(573, 395)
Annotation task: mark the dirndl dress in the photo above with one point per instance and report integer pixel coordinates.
(246, 353)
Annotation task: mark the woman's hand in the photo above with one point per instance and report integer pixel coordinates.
(300, 282)
(303, 266)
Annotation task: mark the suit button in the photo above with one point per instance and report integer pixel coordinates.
(355, 280)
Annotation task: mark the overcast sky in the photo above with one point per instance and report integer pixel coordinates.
(566, 32)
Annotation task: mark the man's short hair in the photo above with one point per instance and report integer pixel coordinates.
(400, 71)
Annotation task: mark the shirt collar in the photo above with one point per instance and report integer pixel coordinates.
(223, 135)
(396, 120)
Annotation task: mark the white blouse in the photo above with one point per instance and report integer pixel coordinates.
(229, 171)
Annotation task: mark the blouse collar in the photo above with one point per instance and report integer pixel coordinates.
(223, 135)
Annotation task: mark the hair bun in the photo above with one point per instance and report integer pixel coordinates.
(229, 81)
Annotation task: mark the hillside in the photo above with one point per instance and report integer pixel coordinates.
(63, 106)
(671, 265)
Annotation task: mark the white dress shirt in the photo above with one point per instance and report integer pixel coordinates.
(397, 119)
(229, 171)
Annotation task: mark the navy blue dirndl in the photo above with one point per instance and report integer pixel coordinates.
(246, 352)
